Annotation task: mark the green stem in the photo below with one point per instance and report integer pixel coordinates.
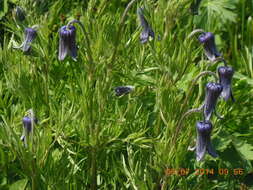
(194, 82)
(93, 170)
(189, 112)
(89, 52)
(118, 35)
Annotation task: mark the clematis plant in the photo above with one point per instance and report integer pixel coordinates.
(146, 29)
(225, 76)
(123, 90)
(28, 125)
(213, 91)
(30, 35)
(208, 41)
(67, 43)
(203, 144)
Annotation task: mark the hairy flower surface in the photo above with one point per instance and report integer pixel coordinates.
(67, 43)
(208, 41)
(203, 144)
(146, 29)
(213, 91)
(225, 76)
(122, 90)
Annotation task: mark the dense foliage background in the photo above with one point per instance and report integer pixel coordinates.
(87, 138)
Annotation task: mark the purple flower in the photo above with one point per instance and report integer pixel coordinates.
(208, 41)
(28, 125)
(122, 90)
(30, 34)
(213, 91)
(203, 144)
(67, 43)
(146, 29)
(225, 75)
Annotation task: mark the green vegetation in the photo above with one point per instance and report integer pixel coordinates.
(89, 138)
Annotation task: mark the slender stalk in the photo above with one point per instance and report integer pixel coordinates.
(194, 82)
(118, 35)
(89, 52)
(179, 124)
(195, 32)
(93, 170)
(189, 112)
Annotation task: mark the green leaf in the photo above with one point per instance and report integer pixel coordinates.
(19, 185)
(245, 149)
(3, 8)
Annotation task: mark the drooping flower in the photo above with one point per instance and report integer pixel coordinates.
(67, 43)
(225, 75)
(146, 29)
(208, 41)
(28, 124)
(213, 91)
(30, 34)
(122, 90)
(203, 144)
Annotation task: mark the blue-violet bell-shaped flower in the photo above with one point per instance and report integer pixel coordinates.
(67, 43)
(30, 34)
(203, 144)
(208, 41)
(28, 125)
(213, 91)
(146, 29)
(225, 75)
(122, 90)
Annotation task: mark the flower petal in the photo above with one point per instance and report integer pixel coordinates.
(63, 44)
(30, 34)
(122, 90)
(201, 147)
(210, 149)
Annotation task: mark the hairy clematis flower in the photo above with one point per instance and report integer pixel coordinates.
(67, 43)
(225, 75)
(30, 34)
(213, 91)
(208, 41)
(122, 90)
(28, 125)
(204, 129)
(146, 29)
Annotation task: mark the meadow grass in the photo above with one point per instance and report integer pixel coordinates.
(88, 138)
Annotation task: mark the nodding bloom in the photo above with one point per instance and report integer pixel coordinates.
(146, 29)
(208, 41)
(67, 43)
(28, 125)
(30, 34)
(203, 144)
(122, 90)
(19, 14)
(225, 76)
(213, 91)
